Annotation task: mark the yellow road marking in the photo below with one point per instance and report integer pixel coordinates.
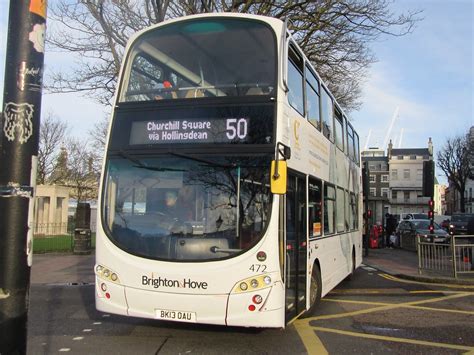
(369, 291)
(441, 310)
(397, 340)
(393, 278)
(401, 306)
(388, 307)
(310, 339)
(356, 302)
(435, 291)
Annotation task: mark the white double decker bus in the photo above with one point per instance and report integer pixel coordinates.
(231, 189)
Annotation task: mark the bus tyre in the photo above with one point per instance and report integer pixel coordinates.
(314, 292)
(353, 267)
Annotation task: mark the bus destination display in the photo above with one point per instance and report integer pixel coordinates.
(222, 130)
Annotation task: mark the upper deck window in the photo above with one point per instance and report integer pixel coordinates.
(338, 129)
(295, 80)
(312, 98)
(201, 58)
(327, 115)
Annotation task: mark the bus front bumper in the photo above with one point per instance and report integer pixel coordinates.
(225, 309)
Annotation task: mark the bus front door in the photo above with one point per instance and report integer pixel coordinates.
(296, 247)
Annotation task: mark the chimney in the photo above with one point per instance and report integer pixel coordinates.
(389, 150)
(430, 146)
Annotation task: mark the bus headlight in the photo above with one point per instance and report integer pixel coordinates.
(107, 274)
(252, 284)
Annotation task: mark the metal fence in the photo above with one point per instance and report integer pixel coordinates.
(447, 259)
(55, 237)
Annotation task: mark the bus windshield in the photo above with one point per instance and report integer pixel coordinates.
(201, 58)
(178, 207)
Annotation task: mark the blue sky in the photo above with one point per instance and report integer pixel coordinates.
(427, 75)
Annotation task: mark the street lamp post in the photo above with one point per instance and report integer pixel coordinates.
(19, 139)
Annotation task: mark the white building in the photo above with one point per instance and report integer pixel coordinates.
(406, 179)
(51, 209)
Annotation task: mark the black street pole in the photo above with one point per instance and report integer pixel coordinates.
(19, 139)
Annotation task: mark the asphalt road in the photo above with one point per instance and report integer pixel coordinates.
(372, 313)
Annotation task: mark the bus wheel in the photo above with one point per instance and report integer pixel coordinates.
(314, 292)
(351, 275)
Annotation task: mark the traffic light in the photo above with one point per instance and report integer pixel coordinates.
(431, 228)
(428, 178)
(369, 213)
(431, 215)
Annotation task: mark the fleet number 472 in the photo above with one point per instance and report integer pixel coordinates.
(258, 267)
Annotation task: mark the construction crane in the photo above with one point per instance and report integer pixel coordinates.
(389, 132)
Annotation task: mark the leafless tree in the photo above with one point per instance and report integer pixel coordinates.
(83, 170)
(98, 135)
(53, 133)
(334, 34)
(453, 160)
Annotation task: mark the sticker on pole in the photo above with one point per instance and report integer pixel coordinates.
(38, 7)
(37, 37)
(18, 121)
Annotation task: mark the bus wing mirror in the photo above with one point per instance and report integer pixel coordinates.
(278, 177)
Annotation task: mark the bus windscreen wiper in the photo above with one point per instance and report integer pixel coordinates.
(141, 165)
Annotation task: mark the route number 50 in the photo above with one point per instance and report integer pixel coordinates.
(236, 128)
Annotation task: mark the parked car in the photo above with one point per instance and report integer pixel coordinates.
(459, 222)
(414, 216)
(408, 230)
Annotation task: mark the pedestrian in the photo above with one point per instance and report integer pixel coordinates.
(391, 225)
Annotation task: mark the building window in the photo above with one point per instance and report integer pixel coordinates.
(412, 157)
(372, 178)
(400, 157)
(373, 192)
(394, 195)
(419, 174)
(384, 191)
(406, 196)
(406, 174)
(394, 174)
(384, 178)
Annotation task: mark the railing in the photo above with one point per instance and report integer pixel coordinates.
(463, 253)
(55, 237)
(447, 259)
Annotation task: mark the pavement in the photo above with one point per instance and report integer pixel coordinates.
(79, 269)
(404, 264)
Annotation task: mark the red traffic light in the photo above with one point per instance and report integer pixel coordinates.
(431, 228)
(369, 213)
(430, 214)
(431, 204)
